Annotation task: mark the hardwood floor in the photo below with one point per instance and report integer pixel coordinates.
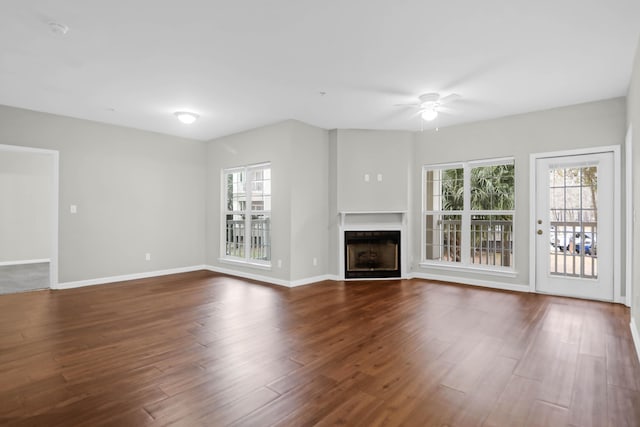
(206, 349)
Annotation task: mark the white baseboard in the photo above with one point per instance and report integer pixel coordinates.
(25, 261)
(112, 279)
(271, 280)
(245, 275)
(279, 282)
(309, 280)
(635, 335)
(473, 282)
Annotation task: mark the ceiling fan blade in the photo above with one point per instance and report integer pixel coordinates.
(449, 98)
(406, 105)
(446, 110)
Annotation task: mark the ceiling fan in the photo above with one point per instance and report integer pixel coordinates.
(430, 104)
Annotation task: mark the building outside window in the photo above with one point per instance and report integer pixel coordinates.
(247, 215)
(468, 214)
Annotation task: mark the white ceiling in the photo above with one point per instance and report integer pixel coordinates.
(245, 63)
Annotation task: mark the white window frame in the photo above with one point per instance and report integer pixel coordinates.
(248, 212)
(466, 213)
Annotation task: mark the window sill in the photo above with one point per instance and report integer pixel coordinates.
(469, 269)
(242, 263)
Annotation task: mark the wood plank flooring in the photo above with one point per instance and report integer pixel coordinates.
(206, 349)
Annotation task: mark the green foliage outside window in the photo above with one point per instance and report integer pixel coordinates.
(492, 189)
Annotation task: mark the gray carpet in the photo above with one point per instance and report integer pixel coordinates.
(26, 277)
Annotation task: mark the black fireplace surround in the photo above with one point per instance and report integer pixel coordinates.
(372, 254)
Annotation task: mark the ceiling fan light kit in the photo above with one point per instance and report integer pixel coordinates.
(429, 114)
(429, 105)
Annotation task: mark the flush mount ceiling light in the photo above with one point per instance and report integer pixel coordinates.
(186, 117)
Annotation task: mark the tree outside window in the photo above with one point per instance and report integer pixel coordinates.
(469, 210)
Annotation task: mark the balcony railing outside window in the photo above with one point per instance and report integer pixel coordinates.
(491, 242)
(574, 249)
(260, 235)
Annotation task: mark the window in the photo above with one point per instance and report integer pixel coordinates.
(468, 214)
(247, 216)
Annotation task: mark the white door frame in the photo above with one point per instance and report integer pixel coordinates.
(55, 157)
(628, 156)
(615, 149)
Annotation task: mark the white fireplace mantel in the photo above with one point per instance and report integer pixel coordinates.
(372, 217)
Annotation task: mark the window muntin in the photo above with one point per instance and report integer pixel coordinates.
(247, 216)
(468, 211)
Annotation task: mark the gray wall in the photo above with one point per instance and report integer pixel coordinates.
(140, 192)
(580, 126)
(309, 198)
(354, 153)
(26, 197)
(267, 144)
(332, 266)
(633, 119)
(299, 156)
(136, 192)
(373, 152)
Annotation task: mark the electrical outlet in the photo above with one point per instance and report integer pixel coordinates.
(73, 209)
(279, 263)
(315, 262)
(147, 256)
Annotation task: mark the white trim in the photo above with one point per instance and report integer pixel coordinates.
(374, 279)
(473, 282)
(466, 212)
(24, 261)
(577, 152)
(454, 267)
(628, 154)
(241, 262)
(492, 162)
(245, 275)
(145, 275)
(617, 231)
(533, 174)
(617, 246)
(635, 335)
(267, 279)
(310, 280)
(125, 277)
(55, 195)
(370, 212)
(465, 216)
(345, 214)
(248, 212)
(53, 266)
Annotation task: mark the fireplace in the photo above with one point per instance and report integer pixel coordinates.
(372, 254)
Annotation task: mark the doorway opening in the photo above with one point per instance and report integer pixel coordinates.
(575, 236)
(28, 219)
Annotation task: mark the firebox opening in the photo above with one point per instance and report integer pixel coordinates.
(372, 254)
